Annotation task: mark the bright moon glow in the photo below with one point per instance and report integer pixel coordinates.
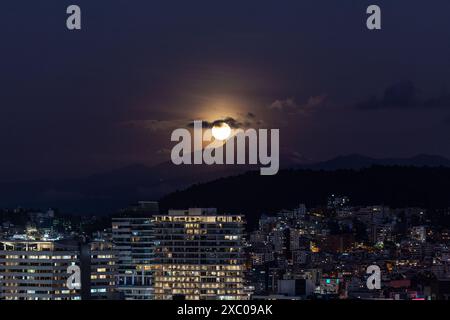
(221, 131)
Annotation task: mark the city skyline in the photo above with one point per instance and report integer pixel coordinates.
(224, 157)
(301, 253)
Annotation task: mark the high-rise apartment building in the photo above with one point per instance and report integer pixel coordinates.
(98, 271)
(37, 270)
(199, 255)
(134, 244)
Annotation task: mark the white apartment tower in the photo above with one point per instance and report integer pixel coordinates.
(199, 256)
(37, 270)
(98, 271)
(134, 246)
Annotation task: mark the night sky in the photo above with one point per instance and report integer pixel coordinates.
(73, 103)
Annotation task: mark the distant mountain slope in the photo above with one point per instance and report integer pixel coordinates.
(109, 191)
(356, 161)
(106, 192)
(253, 194)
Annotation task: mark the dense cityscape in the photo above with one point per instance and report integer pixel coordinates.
(141, 253)
(224, 159)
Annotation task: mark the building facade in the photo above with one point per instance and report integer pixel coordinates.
(199, 256)
(99, 271)
(37, 270)
(134, 246)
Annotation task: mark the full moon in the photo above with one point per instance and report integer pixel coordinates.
(221, 131)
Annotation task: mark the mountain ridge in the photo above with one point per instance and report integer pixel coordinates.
(111, 190)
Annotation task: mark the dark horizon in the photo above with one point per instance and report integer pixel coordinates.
(417, 181)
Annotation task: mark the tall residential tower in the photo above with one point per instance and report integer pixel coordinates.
(199, 255)
(37, 270)
(134, 247)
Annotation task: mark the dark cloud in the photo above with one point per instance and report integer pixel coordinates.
(233, 123)
(152, 124)
(404, 95)
(290, 106)
(442, 101)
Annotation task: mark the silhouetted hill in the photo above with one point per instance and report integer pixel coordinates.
(252, 194)
(356, 161)
(112, 190)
